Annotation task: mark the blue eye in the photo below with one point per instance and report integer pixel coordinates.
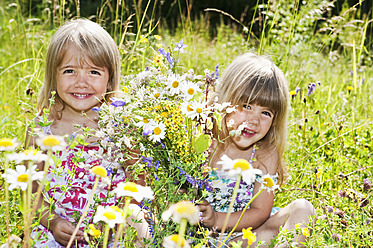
(95, 72)
(267, 113)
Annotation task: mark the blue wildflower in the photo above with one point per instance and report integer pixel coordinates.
(216, 74)
(73, 136)
(180, 46)
(96, 109)
(148, 161)
(146, 131)
(190, 180)
(117, 103)
(170, 60)
(156, 177)
(162, 51)
(109, 171)
(156, 165)
(181, 171)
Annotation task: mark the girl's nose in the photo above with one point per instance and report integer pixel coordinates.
(81, 81)
(254, 119)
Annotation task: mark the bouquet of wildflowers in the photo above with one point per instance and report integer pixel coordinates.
(162, 117)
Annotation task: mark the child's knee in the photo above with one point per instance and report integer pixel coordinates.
(303, 207)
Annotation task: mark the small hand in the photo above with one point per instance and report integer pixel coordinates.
(62, 231)
(208, 215)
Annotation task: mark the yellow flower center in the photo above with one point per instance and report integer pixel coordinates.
(115, 208)
(178, 240)
(22, 178)
(175, 84)
(164, 114)
(145, 120)
(33, 152)
(199, 110)
(99, 171)
(109, 215)
(241, 163)
(189, 108)
(5, 142)
(157, 131)
(268, 182)
(190, 91)
(185, 208)
(130, 186)
(51, 141)
(156, 95)
(125, 89)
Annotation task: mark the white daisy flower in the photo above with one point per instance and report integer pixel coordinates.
(175, 241)
(159, 132)
(196, 110)
(51, 142)
(21, 177)
(268, 183)
(28, 155)
(174, 84)
(239, 166)
(190, 89)
(182, 210)
(144, 122)
(157, 93)
(7, 144)
(133, 190)
(111, 215)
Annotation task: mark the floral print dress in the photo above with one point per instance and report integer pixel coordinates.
(69, 186)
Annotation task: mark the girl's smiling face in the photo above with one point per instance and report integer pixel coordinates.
(80, 83)
(253, 120)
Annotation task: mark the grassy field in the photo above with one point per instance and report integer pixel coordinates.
(330, 146)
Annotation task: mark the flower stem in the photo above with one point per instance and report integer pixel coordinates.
(106, 235)
(233, 200)
(83, 214)
(182, 229)
(127, 201)
(239, 219)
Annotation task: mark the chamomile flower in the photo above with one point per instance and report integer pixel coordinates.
(145, 122)
(190, 89)
(175, 241)
(159, 132)
(133, 190)
(157, 93)
(196, 111)
(51, 142)
(28, 155)
(111, 215)
(174, 84)
(20, 177)
(7, 144)
(182, 210)
(99, 171)
(268, 183)
(239, 166)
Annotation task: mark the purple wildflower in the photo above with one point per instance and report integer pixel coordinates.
(170, 60)
(156, 177)
(190, 180)
(297, 89)
(181, 171)
(330, 209)
(156, 165)
(148, 161)
(109, 171)
(162, 51)
(180, 46)
(146, 131)
(118, 103)
(311, 88)
(336, 236)
(96, 109)
(367, 184)
(216, 74)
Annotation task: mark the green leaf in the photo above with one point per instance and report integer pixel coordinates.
(202, 143)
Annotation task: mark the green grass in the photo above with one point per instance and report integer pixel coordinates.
(329, 131)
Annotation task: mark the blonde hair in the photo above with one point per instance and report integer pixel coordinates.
(91, 41)
(254, 79)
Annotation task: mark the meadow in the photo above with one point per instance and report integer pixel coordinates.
(326, 59)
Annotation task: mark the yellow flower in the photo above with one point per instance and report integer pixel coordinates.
(125, 89)
(292, 93)
(318, 174)
(297, 226)
(99, 171)
(7, 144)
(349, 88)
(143, 39)
(93, 231)
(157, 37)
(247, 234)
(305, 232)
(158, 60)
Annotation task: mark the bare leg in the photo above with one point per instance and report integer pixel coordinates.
(298, 211)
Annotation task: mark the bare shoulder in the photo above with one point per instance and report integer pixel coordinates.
(267, 159)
